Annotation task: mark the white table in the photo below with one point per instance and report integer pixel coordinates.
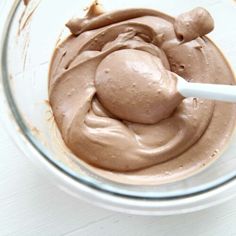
(30, 205)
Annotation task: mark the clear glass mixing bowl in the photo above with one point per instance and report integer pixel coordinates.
(28, 38)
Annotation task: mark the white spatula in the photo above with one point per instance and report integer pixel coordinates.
(225, 93)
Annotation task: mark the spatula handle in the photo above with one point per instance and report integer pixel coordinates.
(226, 93)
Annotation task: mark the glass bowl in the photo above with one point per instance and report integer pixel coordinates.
(28, 38)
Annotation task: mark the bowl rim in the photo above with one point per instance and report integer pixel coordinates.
(26, 141)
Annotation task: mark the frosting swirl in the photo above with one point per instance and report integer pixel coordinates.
(112, 86)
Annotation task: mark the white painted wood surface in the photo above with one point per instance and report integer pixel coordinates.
(30, 205)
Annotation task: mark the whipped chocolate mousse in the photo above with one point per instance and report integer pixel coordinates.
(112, 89)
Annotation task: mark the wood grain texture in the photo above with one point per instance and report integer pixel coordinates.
(30, 205)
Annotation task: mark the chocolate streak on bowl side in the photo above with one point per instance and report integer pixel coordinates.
(26, 2)
(106, 82)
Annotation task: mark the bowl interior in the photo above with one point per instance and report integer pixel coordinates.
(33, 34)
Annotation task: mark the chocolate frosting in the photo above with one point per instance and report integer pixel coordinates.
(112, 88)
(193, 24)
